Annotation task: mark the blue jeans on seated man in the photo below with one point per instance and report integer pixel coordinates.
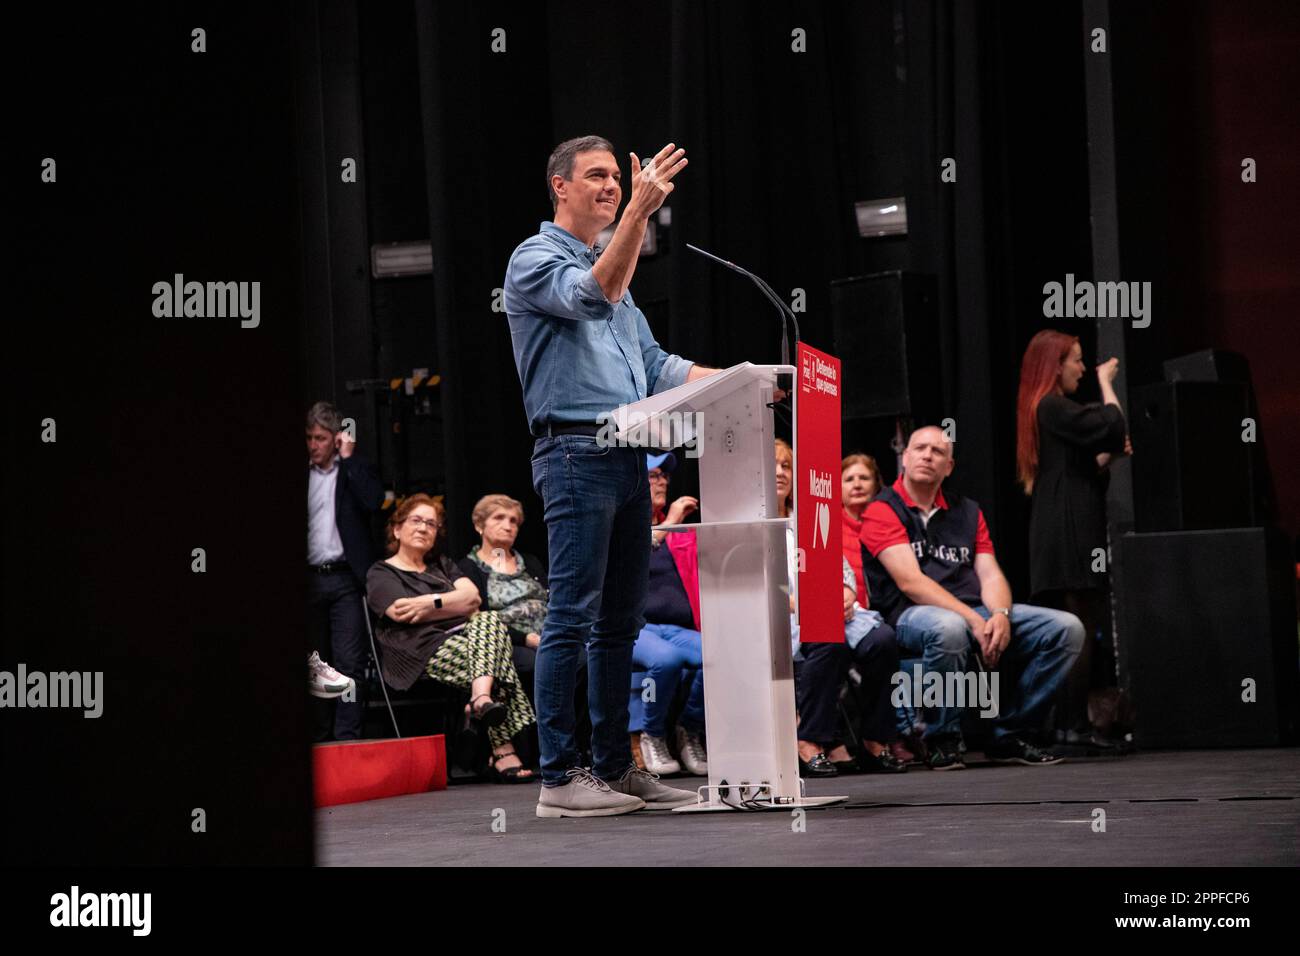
(596, 504)
(663, 651)
(1044, 644)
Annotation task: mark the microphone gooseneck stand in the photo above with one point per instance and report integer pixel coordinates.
(772, 297)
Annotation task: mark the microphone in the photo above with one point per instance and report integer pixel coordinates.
(771, 296)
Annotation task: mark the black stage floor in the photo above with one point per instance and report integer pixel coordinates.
(1201, 808)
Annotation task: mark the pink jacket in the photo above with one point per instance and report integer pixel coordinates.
(681, 544)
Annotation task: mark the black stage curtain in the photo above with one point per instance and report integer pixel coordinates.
(782, 143)
(171, 434)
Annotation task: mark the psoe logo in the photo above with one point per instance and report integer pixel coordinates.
(208, 300)
(103, 909)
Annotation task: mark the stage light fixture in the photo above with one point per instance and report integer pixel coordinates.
(401, 259)
(881, 217)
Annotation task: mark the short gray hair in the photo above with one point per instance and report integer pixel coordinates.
(326, 416)
(561, 161)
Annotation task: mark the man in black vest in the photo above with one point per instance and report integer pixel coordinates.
(930, 569)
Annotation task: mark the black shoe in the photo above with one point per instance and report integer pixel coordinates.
(848, 768)
(1015, 750)
(945, 753)
(819, 766)
(883, 762)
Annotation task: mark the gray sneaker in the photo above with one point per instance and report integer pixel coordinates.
(646, 786)
(585, 796)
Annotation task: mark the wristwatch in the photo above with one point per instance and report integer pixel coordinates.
(437, 603)
(1003, 610)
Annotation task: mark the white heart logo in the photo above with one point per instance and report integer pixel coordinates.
(824, 521)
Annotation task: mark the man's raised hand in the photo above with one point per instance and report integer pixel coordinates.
(652, 182)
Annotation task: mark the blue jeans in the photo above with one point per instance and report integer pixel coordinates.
(663, 651)
(596, 503)
(1044, 644)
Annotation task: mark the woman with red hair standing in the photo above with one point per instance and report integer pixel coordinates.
(1063, 449)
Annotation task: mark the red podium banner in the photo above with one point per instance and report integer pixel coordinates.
(817, 498)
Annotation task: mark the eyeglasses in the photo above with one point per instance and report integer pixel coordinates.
(417, 521)
(658, 475)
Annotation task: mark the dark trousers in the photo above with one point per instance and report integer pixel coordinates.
(337, 627)
(1095, 666)
(819, 676)
(876, 658)
(817, 680)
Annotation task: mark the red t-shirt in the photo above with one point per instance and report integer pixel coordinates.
(853, 551)
(881, 528)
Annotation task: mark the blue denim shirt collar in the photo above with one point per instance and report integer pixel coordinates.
(575, 244)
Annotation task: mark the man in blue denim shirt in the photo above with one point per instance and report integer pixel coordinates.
(583, 348)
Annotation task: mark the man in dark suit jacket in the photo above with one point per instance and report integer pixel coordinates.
(343, 493)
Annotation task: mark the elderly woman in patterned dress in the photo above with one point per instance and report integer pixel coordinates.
(431, 621)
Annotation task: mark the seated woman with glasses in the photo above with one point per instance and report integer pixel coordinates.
(431, 622)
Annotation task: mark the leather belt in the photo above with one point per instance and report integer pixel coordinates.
(329, 567)
(550, 430)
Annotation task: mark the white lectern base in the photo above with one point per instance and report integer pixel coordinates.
(793, 804)
(748, 798)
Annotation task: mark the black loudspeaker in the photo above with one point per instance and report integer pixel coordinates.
(1192, 470)
(1201, 614)
(887, 337)
(1208, 365)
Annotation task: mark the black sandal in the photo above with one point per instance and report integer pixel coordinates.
(491, 715)
(510, 774)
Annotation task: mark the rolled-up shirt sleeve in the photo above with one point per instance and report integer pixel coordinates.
(551, 283)
(663, 370)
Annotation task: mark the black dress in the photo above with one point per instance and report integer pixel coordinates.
(1067, 517)
(407, 647)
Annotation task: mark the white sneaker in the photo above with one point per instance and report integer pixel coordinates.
(691, 748)
(654, 751)
(323, 680)
(585, 795)
(638, 783)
